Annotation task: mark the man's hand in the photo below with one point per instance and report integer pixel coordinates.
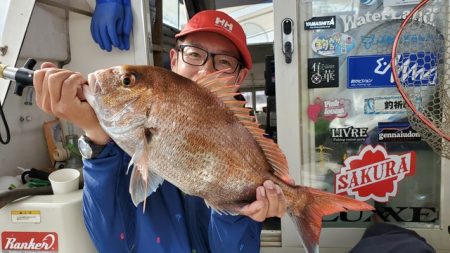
(270, 202)
(59, 93)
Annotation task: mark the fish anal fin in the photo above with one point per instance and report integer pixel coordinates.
(308, 217)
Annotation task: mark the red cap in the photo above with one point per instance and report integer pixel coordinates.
(219, 22)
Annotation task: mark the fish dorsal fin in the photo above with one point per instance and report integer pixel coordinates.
(226, 93)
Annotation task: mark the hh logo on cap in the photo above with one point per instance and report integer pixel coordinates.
(224, 24)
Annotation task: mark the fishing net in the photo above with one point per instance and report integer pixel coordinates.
(420, 63)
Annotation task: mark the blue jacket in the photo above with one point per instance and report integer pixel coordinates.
(172, 222)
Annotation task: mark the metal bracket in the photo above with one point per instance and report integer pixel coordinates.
(3, 50)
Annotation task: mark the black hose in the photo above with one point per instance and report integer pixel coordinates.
(8, 135)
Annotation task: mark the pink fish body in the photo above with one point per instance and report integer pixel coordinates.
(198, 137)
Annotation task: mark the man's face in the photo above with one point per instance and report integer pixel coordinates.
(213, 43)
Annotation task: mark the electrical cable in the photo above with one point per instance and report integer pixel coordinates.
(8, 135)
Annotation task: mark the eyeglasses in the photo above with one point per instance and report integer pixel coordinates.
(196, 56)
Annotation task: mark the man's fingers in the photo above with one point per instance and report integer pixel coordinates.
(48, 65)
(258, 209)
(46, 103)
(56, 81)
(272, 197)
(281, 202)
(38, 81)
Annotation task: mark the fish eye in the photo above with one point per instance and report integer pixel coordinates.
(127, 80)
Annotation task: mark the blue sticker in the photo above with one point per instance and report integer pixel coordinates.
(374, 71)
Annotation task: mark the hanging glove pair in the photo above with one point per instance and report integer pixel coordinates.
(111, 24)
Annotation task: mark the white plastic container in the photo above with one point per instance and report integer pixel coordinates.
(45, 223)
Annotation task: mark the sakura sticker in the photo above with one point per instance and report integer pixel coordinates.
(374, 174)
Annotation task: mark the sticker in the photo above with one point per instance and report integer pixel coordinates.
(348, 134)
(384, 105)
(26, 216)
(316, 23)
(368, 2)
(323, 72)
(333, 45)
(371, 40)
(350, 22)
(328, 109)
(374, 71)
(388, 3)
(418, 213)
(397, 132)
(373, 174)
(20, 242)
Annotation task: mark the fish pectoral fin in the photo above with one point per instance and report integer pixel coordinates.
(143, 180)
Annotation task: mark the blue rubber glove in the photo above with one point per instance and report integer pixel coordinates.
(127, 25)
(107, 23)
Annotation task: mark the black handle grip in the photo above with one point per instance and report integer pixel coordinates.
(24, 76)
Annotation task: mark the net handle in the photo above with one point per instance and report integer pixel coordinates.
(397, 79)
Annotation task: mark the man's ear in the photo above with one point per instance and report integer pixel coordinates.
(241, 76)
(173, 59)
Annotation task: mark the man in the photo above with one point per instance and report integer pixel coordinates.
(172, 221)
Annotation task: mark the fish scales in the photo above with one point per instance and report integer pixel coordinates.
(190, 134)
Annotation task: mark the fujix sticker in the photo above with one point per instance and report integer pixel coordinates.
(20, 242)
(397, 132)
(374, 71)
(323, 72)
(348, 134)
(26, 216)
(316, 23)
(333, 45)
(373, 174)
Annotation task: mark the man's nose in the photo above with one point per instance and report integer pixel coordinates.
(208, 67)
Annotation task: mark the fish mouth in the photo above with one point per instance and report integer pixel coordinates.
(88, 90)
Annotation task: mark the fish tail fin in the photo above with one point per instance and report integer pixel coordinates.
(308, 217)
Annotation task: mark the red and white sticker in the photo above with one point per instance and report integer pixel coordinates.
(20, 242)
(373, 174)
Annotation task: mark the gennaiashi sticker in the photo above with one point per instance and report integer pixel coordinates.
(323, 72)
(397, 132)
(374, 174)
(335, 44)
(316, 23)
